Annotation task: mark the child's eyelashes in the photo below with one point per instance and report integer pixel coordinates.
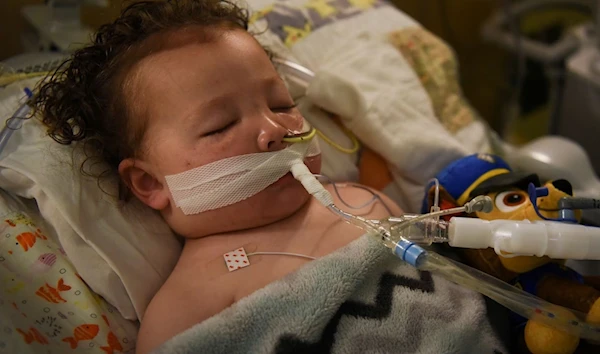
(220, 130)
(284, 109)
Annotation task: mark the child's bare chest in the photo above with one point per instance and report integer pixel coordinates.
(271, 252)
(273, 261)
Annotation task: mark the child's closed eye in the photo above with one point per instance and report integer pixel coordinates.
(284, 109)
(220, 130)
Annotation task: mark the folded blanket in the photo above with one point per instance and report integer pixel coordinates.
(359, 299)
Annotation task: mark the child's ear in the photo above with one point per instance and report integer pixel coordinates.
(138, 176)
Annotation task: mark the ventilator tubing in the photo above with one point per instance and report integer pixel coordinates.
(530, 238)
(513, 298)
(395, 233)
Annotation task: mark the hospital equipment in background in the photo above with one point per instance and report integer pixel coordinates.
(572, 64)
(56, 25)
(15, 122)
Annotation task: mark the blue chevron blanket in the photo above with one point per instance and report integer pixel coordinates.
(359, 299)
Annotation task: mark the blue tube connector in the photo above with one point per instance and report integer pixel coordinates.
(410, 252)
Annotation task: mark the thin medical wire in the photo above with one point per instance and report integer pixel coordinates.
(280, 254)
(335, 188)
(337, 192)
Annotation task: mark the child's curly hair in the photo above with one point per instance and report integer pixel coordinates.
(85, 99)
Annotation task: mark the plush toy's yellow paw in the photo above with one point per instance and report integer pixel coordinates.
(593, 315)
(543, 339)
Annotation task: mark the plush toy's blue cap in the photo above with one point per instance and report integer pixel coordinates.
(461, 177)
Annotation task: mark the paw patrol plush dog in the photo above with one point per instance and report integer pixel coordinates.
(484, 174)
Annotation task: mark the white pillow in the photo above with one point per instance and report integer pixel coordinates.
(123, 253)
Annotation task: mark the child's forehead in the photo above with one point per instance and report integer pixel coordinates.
(228, 65)
(178, 51)
(175, 38)
(194, 44)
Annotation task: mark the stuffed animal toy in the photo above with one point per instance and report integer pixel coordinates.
(484, 174)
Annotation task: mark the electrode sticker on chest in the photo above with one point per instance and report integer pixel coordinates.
(236, 259)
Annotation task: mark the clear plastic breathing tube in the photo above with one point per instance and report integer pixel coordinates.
(511, 297)
(403, 235)
(402, 238)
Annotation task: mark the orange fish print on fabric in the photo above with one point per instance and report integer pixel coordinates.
(113, 341)
(51, 294)
(81, 333)
(33, 335)
(28, 239)
(113, 344)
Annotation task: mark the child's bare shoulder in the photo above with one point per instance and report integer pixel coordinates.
(181, 303)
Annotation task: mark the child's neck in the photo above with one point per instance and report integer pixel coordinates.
(275, 234)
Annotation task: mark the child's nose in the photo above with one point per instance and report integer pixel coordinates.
(273, 130)
(271, 136)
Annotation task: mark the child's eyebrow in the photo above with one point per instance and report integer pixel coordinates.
(206, 110)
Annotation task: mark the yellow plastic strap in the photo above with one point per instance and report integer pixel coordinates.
(355, 143)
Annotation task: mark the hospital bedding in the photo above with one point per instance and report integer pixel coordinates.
(45, 306)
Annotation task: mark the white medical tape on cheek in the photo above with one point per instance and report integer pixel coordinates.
(234, 179)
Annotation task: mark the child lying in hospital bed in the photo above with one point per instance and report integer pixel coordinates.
(171, 88)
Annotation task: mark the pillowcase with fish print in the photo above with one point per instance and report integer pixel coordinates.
(44, 305)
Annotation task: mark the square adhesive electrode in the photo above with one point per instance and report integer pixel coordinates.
(236, 259)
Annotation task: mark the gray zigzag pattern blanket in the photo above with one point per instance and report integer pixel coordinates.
(359, 299)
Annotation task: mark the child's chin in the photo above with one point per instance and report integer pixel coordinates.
(285, 200)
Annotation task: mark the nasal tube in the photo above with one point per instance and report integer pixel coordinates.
(540, 238)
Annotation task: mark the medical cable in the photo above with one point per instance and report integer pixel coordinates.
(355, 185)
(335, 187)
(280, 254)
(436, 197)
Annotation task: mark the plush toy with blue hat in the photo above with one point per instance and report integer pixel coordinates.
(484, 174)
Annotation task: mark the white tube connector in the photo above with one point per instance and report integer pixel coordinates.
(525, 238)
(311, 184)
